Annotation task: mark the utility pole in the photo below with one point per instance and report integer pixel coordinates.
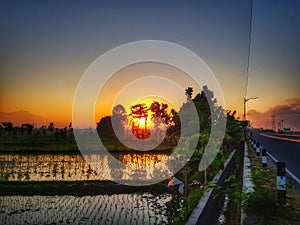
(282, 127)
(273, 122)
(279, 126)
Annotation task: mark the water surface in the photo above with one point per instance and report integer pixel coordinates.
(67, 167)
(100, 209)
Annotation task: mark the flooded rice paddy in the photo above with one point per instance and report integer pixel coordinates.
(137, 208)
(64, 167)
(100, 209)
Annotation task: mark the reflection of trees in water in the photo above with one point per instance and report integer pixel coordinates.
(54, 171)
(147, 166)
(74, 167)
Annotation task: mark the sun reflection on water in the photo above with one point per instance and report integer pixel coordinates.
(58, 167)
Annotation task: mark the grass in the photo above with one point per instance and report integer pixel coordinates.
(37, 143)
(261, 206)
(60, 144)
(180, 208)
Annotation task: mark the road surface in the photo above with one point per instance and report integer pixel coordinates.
(285, 148)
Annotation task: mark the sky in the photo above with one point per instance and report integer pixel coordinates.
(46, 46)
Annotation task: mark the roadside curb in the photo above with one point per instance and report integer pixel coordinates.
(200, 212)
(247, 180)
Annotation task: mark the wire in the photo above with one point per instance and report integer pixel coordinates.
(249, 49)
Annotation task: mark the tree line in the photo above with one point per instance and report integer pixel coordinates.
(161, 116)
(9, 129)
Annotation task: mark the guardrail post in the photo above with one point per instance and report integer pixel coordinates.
(264, 157)
(281, 183)
(254, 144)
(257, 150)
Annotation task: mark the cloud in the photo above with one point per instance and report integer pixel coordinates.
(288, 111)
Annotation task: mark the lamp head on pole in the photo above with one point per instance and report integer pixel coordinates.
(247, 99)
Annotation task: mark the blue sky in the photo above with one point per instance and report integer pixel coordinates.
(45, 46)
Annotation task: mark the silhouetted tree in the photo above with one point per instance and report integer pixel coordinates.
(160, 114)
(70, 128)
(206, 114)
(22, 130)
(229, 115)
(155, 108)
(188, 93)
(51, 127)
(174, 122)
(8, 127)
(28, 128)
(233, 130)
(138, 112)
(63, 132)
(15, 131)
(119, 118)
(1, 131)
(56, 133)
(43, 129)
(104, 128)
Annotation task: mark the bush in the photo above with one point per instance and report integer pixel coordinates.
(264, 202)
(178, 212)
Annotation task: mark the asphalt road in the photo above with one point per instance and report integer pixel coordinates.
(283, 150)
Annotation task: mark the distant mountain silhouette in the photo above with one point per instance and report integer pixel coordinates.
(22, 116)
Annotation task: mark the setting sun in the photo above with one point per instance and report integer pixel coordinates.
(142, 121)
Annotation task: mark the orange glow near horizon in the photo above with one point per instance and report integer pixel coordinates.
(139, 83)
(45, 56)
(55, 104)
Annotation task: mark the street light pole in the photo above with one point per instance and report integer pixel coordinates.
(245, 101)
